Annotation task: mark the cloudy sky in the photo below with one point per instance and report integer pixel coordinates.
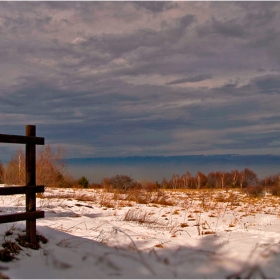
(106, 79)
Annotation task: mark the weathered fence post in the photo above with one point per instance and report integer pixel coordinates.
(30, 190)
(30, 130)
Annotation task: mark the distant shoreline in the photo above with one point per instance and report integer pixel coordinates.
(159, 167)
(225, 158)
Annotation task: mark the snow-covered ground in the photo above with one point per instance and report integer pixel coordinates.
(94, 234)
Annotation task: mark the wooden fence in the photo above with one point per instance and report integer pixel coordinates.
(30, 190)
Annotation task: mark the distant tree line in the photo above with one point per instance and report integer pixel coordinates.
(217, 179)
(51, 171)
(245, 179)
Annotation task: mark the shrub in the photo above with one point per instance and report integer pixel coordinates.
(84, 182)
(275, 190)
(151, 186)
(123, 182)
(96, 186)
(254, 191)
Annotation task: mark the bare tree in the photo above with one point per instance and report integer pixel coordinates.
(1, 173)
(250, 177)
(213, 180)
(201, 180)
(51, 167)
(174, 181)
(164, 183)
(186, 179)
(14, 172)
(234, 177)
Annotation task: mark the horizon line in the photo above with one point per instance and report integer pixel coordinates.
(172, 156)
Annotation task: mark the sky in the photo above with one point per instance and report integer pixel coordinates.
(117, 79)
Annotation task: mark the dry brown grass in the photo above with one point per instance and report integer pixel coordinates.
(105, 200)
(6, 255)
(184, 225)
(140, 216)
(142, 196)
(75, 193)
(206, 232)
(214, 202)
(22, 241)
(12, 247)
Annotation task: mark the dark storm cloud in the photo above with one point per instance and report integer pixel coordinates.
(225, 28)
(143, 78)
(261, 85)
(268, 83)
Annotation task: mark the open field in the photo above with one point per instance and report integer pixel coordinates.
(139, 234)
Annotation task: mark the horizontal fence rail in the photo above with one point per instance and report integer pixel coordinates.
(16, 217)
(30, 140)
(7, 190)
(16, 139)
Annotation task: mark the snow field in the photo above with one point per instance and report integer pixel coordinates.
(192, 234)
